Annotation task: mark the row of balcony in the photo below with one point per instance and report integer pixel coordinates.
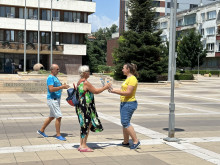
(32, 48)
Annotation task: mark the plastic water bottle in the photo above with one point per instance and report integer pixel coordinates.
(102, 81)
(109, 90)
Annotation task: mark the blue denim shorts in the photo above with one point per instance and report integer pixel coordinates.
(126, 111)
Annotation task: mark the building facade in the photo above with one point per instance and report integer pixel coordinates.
(186, 4)
(206, 21)
(70, 25)
(124, 11)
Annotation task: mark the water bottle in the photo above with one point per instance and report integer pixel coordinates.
(102, 81)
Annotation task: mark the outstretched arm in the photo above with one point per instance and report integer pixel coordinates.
(88, 86)
(128, 92)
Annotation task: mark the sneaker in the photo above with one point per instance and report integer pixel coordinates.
(125, 144)
(135, 146)
(42, 133)
(61, 138)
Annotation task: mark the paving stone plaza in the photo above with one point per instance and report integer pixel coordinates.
(197, 127)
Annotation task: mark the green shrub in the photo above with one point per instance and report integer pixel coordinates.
(104, 68)
(184, 76)
(163, 77)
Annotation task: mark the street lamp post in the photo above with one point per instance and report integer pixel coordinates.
(51, 34)
(171, 134)
(198, 66)
(38, 49)
(25, 36)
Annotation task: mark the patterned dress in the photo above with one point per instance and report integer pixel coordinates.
(86, 112)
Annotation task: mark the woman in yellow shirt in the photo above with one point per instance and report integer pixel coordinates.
(128, 104)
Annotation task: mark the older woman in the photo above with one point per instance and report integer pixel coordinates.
(86, 110)
(128, 103)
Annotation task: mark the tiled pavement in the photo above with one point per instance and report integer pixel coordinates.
(197, 125)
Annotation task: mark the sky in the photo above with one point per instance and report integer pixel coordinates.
(107, 14)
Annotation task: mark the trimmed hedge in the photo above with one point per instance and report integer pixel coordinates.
(184, 76)
(178, 76)
(202, 72)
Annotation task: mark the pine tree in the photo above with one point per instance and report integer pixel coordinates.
(140, 45)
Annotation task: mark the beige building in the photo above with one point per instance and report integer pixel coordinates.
(70, 25)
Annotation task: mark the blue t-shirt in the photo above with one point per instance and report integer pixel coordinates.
(53, 80)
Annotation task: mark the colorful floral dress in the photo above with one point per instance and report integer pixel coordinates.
(86, 112)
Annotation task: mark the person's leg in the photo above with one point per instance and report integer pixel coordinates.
(57, 125)
(83, 146)
(132, 133)
(46, 123)
(127, 111)
(126, 136)
(84, 140)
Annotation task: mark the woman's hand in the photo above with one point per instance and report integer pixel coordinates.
(108, 86)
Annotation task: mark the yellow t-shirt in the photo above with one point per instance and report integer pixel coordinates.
(132, 81)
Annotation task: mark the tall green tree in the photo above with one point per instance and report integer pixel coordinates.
(140, 45)
(142, 16)
(189, 49)
(97, 48)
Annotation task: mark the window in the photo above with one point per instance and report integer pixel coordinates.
(56, 38)
(78, 17)
(202, 32)
(74, 17)
(30, 13)
(66, 14)
(47, 38)
(210, 31)
(6, 11)
(191, 6)
(21, 13)
(190, 19)
(163, 25)
(85, 18)
(1, 35)
(179, 22)
(56, 15)
(210, 47)
(10, 35)
(156, 4)
(7, 35)
(2, 11)
(211, 15)
(46, 15)
(12, 38)
(43, 37)
(35, 14)
(30, 37)
(219, 47)
(203, 17)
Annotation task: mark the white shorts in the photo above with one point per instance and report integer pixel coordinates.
(54, 106)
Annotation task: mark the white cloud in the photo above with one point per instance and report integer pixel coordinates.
(101, 22)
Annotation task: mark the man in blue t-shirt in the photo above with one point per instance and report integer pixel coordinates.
(54, 91)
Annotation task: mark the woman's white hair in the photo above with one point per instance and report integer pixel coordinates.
(83, 69)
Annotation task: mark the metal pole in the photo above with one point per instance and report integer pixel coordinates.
(38, 50)
(25, 38)
(172, 44)
(51, 35)
(198, 66)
